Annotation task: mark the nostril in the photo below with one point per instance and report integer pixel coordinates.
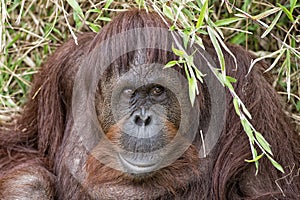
(138, 121)
(147, 121)
(142, 122)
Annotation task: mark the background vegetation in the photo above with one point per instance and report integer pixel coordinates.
(31, 30)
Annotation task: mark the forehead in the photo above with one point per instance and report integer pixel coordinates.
(148, 74)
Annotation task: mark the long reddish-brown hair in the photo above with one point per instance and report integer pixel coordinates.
(38, 134)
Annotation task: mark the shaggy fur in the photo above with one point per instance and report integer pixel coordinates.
(37, 152)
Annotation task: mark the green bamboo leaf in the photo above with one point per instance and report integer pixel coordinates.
(248, 130)
(189, 14)
(224, 22)
(292, 5)
(171, 63)
(266, 13)
(271, 55)
(178, 52)
(217, 47)
(192, 84)
(10, 44)
(199, 74)
(254, 156)
(274, 22)
(140, 3)
(227, 81)
(236, 106)
(95, 10)
(231, 79)
(94, 27)
(255, 159)
(275, 164)
(202, 14)
(108, 4)
(77, 20)
(185, 37)
(192, 89)
(263, 142)
(287, 12)
(238, 39)
(298, 106)
(246, 5)
(168, 11)
(190, 60)
(76, 7)
(193, 6)
(242, 15)
(107, 19)
(245, 110)
(276, 60)
(218, 31)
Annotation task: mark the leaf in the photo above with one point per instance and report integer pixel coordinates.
(228, 7)
(275, 164)
(107, 19)
(95, 10)
(245, 110)
(190, 60)
(217, 29)
(274, 22)
(231, 79)
(13, 41)
(140, 3)
(236, 106)
(94, 27)
(298, 106)
(178, 52)
(203, 12)
(185, 38)
(248, 129)
(287, 12)
(276, 60)
(108, 3)
(189, 14)
(228, 84)
(263, 142)
(263, 57)
(255, 159)
(172, 28)
(192, 84)
(192, 89)
(266, 13)
(238, 39)
(246, 5)
(171, 63)
(292, 5)
(77, 20)
(227, 50)
(168, 11)
(242, 15)
(76, 7)
(254, 156)
(217, 47)
(194, 6)
(227, 21)
(199, 74)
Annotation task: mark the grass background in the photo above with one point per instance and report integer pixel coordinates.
(31, 30)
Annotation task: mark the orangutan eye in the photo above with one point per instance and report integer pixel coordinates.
(157, 90)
